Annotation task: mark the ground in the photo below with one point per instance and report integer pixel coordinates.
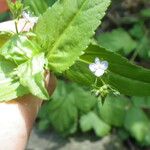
(52, 141)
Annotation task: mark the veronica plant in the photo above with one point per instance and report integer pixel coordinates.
(61, 42)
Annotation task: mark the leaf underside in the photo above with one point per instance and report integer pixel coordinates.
(9, 88)
(31, 76)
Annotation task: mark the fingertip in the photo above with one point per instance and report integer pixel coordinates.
(51, 82)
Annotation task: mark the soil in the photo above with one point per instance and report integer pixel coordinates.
(52, 141)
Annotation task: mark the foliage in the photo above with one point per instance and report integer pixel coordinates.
(19, 49)
(15, 8)
(116, 107)
(66, 42)
(92, 121)
(70, 30)
(137, 84)
(70, 103)
(11, 84)
(138, 124)
(117, 41)
(31, 76)
(62, 44)
(72, 107)
(133, 39)
(38, 7)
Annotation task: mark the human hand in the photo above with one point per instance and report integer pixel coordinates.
(17, 116)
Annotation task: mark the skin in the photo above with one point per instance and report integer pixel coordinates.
(17, 116)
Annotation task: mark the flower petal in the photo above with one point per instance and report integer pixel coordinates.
(29, 18)
(97, 61)
(99, 72)
(93, 67)
(26, 16)
(104, 65)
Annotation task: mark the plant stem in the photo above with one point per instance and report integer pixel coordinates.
(102, 81)
(16, 26)
(23, 27)
(95, 83)
(84, 61)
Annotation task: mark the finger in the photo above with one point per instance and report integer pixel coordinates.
(51, 82)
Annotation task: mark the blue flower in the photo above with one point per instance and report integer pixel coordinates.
(99, 67)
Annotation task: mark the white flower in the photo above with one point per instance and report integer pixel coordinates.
(28, 21)
(29, 18)
(99, 67)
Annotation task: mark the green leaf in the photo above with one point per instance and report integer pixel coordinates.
(19, 49)
(65, 30)
(4, 37)
(91, 121)
(145, 13)
(80, 73)
(144, 47)
(141, 102)
(50, 2)
(113, 42)
(43, 125)
(36, 7)
(129, 79)
(62, 109)
(16, 8)
(31, 76)
(113, 111)
(85, 101)
(9, 88)
(147, 140)
(138, 124)
(117, 64)
(138, 30)
(68, 101)
(129, 86)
